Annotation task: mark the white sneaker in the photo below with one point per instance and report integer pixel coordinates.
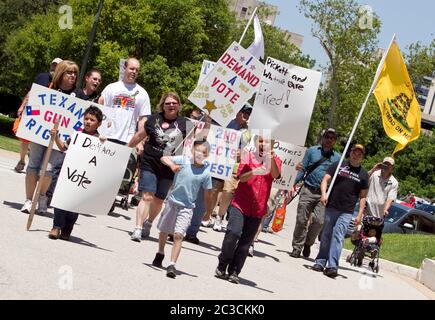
(27, 206)
(208, 224)
(42, 204)
(251, 251)
(218, 224)
(136, 235)
(146, 229)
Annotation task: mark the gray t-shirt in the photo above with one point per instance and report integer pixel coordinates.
(380, 190)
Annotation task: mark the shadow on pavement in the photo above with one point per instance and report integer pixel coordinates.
(252, 284)
(13, 205)
(164, 269)
(82, 242)
(210, 254)
(265, 242)
(87, 215)
(118, 215)
(263, 255)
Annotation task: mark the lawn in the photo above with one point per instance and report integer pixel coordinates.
(7, 139)
(408, 249)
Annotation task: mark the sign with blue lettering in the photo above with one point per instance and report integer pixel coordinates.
(91, 175)
(46, 106)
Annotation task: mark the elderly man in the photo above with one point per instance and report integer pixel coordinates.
(382, 188)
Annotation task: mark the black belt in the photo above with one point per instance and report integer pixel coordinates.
(312, 189)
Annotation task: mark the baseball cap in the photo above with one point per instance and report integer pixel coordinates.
(389, 160)
(56, 60)
(247, 108)
(329, 130)
(359, 146)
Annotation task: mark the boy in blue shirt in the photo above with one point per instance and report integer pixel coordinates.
(190, 175)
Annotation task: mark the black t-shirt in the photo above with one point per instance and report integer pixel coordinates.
(346, 189)
(79, 93)
(164, 137)
(43, 79)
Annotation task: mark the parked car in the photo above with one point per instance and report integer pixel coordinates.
(403, 219)
(425, 207)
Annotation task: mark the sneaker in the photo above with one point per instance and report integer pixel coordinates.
(20, 166)
(191, 238)
(307, 250)
(218, 224)
(208, 224)
(42, 204)
(251, 251)
(221, 274)
(295, 254)
(54, 234)
(317, 267)
(330, 272)
(233, 278)
(170, 271)
(65, 236)
(146, 229)
(27, 206)
(137, 235)
(157, 262)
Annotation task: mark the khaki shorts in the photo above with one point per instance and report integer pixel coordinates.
(231, 184)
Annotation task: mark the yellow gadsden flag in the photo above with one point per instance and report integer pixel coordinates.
(400, 110)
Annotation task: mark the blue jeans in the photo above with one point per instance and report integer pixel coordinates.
(331, 242)
(198, 214)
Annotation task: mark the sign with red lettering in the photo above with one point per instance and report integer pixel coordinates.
(91, 175)
(232, 81)
(45, 106)
(285, 101)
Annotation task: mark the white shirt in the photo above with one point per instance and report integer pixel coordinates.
(380, 190)
(129, 102)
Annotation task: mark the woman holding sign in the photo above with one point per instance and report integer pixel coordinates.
(64, 80)
(165, 131)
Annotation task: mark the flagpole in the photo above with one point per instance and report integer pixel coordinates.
(372, 88)
(247, 26)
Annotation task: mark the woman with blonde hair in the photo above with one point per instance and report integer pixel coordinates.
(165, 131)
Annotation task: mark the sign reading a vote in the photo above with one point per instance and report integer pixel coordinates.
(46, 106)
(91, 175)
(232, 81)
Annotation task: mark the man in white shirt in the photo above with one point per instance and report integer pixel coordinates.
(129, 101)
(382, 188)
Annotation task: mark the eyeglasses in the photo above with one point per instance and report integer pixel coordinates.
(71, 73)
(171, 103)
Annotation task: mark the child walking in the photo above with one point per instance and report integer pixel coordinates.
(190, 175)
(63, 222)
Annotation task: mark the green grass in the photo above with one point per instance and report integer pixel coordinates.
(6, 124)
(407, 249)
(10, 143)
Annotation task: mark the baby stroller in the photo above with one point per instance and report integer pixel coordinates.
(367, 242)
(127, 182)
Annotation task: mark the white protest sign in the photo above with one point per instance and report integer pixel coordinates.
(229, 85)
(290, 156)
(45, 106)
(223, 148)
(91, 175)
(285, 101)
(206, 67)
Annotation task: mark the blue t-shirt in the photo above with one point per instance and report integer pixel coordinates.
(187, 182)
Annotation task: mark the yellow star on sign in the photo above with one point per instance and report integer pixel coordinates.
(209, 105)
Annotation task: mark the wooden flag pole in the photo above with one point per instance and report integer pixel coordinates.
(247, 26)
(42, 174)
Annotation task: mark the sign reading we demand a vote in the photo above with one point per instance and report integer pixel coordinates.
(229, 85)
(91, 175)
(45, 106)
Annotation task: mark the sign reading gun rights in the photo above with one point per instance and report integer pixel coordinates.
(91, 175)
(285, 101)
(229, 85)
(290, 155)
(45, 106)
(223, 148)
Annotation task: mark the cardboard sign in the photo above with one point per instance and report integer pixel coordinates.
(223, 148)
(229, 85)
(285, 101)
(91, 175)
(45, 106)
(206, 67)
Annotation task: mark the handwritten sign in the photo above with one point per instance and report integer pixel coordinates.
(229, 85)
(91, 175)
(224, 144)
(206, 67)
(45, 106)
(285, 101)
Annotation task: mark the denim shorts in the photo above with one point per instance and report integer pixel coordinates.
(36, 158)
(149, 182)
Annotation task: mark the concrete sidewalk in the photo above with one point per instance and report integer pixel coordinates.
(101, 262)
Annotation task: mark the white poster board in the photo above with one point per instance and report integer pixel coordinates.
(229, 85)
(91, 175)
(45, 106)
(206, 67)
(285, 101)
(223, 148)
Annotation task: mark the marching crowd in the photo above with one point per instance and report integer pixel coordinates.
(182, 191)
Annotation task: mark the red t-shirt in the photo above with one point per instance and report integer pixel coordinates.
(251, 196)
